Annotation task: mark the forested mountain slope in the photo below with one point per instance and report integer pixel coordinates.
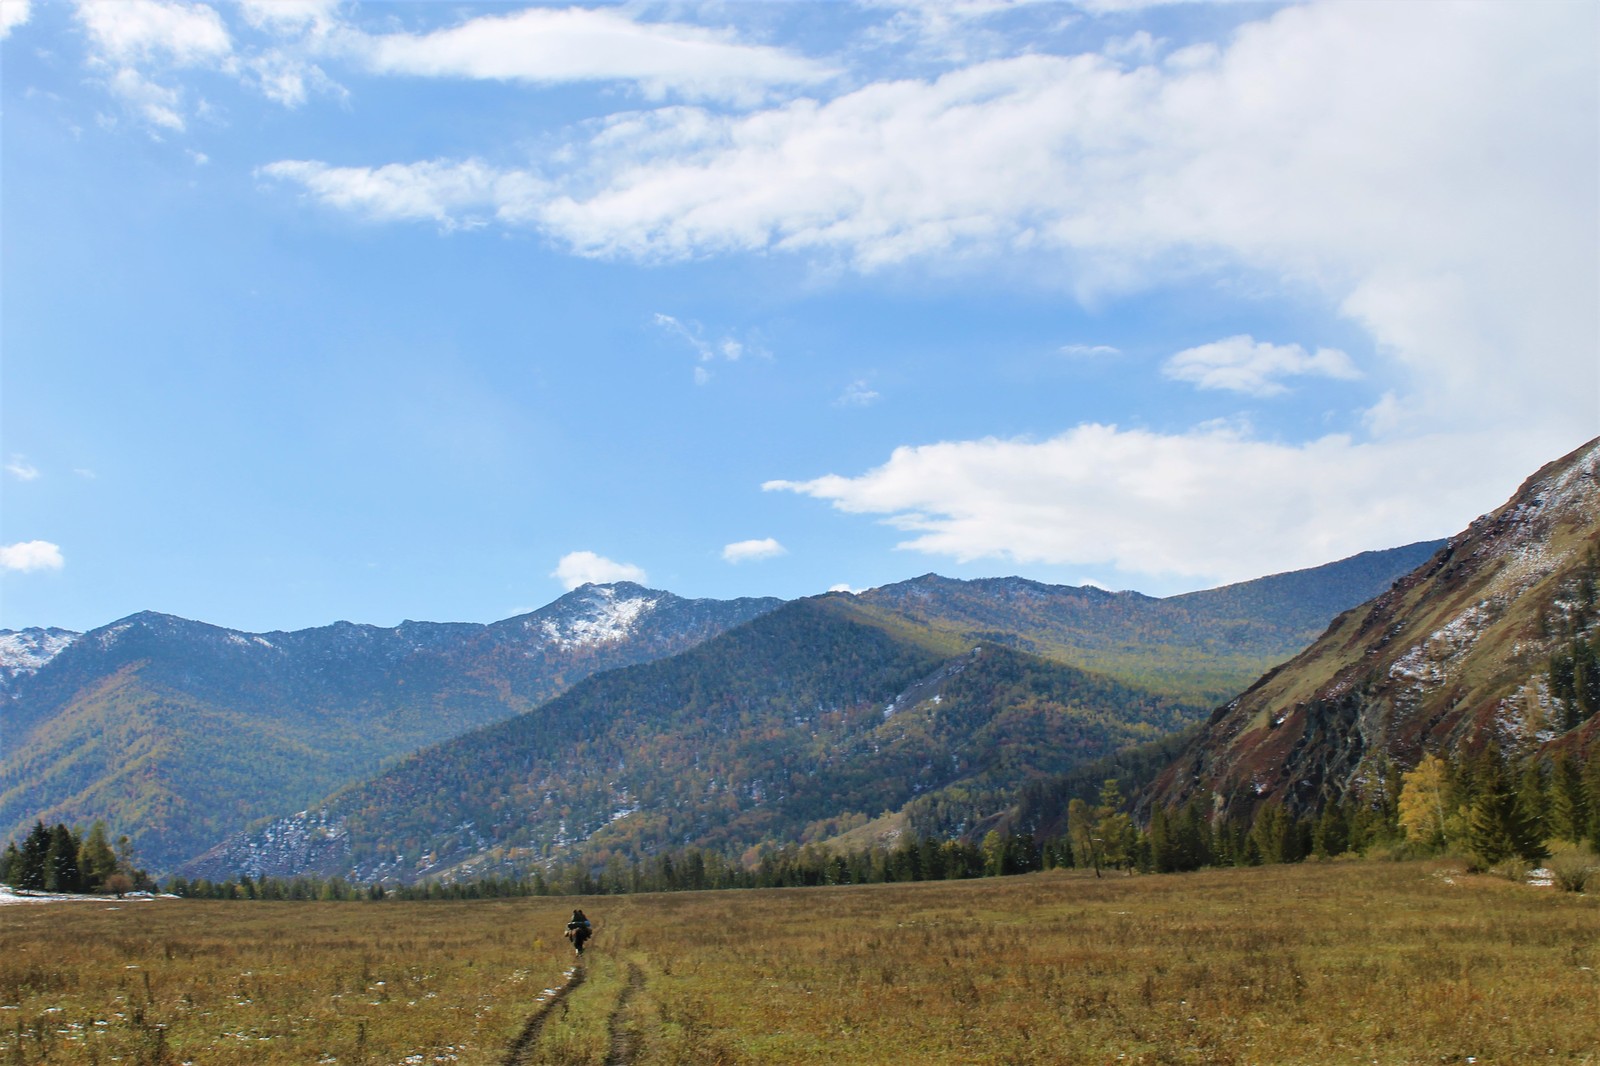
(1204, 646)
(180, 733)
(1496, 640)
(816, 713)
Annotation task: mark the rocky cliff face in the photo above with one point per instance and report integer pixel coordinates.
(1456, 655)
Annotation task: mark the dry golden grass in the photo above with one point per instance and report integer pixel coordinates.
(1346, 962)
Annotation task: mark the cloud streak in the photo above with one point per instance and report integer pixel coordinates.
(547, 46)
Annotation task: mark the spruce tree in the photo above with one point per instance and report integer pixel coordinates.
(1499, 825)
(1591, 777)
(1569, 800)
(1332, 833)
(1163, 852)
(1196, 845)
(1533, 802)
(61, 862)
(30, 876)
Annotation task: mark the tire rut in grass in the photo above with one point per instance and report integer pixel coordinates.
(621, 1038)
(522, 1047)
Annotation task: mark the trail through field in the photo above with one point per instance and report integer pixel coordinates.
(520, 1050)
(621, 1036)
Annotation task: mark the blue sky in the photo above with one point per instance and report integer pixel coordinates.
(316, 310)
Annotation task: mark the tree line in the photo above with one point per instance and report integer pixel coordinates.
(67, 860)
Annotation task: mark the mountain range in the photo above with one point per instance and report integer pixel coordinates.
(824, 714)
(179, 733)
(184, 734)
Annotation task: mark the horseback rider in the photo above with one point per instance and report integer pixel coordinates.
(578, 931)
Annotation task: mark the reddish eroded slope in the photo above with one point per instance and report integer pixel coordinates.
(1455, 655)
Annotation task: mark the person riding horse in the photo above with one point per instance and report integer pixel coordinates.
(578, 931)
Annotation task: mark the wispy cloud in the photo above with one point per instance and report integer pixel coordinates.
(748, 551)
(31, 555)
(547, 46)
(1090, 351)
(1244, 364)
(585, 567)
(19, 467)
(857, 394)
(726, 348)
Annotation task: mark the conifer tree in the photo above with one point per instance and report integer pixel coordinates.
(1569, 800)
(1163, 850)
(1498, 826)
(1331, 835)
(1533, 802)
(96, 861)
(1273, 834)
(1591, 777)
(30, 876)
(61, 862)
(1194, 837)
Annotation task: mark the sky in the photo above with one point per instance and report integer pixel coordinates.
(314, 310)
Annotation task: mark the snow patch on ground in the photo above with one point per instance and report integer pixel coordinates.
(9, 897)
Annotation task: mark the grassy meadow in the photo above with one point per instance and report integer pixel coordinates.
(1343, 962)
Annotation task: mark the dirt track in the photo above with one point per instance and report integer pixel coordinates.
(522, 1047)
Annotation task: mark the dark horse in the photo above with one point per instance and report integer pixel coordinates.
(578, 931)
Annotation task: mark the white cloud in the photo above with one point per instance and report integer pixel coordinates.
(548, 46)
(1427, 170)
(1090, 351)
(747, 551)
(19, 467)
(1430, 172)
(1243, 364)
(1204, 507)
(138, 44)
(13, 13)
(583, 568)
(132, 31)
(857, 394)
(30, 555)
(145, 49)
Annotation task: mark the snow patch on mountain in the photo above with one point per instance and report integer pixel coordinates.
(604, 617)
(23, 652)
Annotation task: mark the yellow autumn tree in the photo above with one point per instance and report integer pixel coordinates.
(1425, 814)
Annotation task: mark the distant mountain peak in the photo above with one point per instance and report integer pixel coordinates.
(24, 651)
(595, 614)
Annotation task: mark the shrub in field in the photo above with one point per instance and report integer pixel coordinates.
(1572, 868)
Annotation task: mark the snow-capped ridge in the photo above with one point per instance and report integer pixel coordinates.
(24, 651)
